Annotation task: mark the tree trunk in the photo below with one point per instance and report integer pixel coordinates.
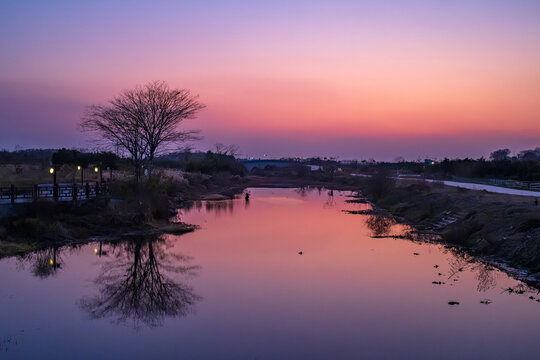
(137, 176)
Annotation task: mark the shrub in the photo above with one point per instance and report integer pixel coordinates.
(459, 234)
(212, 163)
(378, 185)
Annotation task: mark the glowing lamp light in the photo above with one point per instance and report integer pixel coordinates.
(51, 170)
(79, 167)
(95, 250)
(96, 169)
(51, 262)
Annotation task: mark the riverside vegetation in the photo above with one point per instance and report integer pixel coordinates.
(501, 227)
(123, 212)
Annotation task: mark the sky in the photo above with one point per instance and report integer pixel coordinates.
(348, 79)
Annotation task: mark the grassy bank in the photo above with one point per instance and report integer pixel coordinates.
(48, 223)
(501, 227)
(148, 211)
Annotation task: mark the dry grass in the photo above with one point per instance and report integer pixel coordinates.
(505, 226)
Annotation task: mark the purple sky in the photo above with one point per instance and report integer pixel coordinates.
(350, 79)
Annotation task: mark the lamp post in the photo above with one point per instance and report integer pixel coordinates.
(80, 168)
(98, 187)
(52, 171)
(97, 169)
(100, 173)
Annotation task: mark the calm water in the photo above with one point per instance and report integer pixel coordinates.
(239, 289)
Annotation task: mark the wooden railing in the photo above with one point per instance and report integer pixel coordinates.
(59, 192)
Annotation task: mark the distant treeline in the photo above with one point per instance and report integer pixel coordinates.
(206, 163)
(496, 169)
(525, 166)
(209, 162)
(47, 157)
(30, 156)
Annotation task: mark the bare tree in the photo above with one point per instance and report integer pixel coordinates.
(164, 109)
(229, 150)
(143, 121)
(120, 126)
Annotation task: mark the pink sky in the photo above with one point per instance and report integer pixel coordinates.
(347, 79)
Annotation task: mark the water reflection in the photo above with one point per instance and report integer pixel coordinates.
(246, 199)
(215, 206)
(485, 277)
(461, 261)
(379, 225)
(220, 206)
(43, 263)
(346, 297)
(139, 284)
(330, 201)
(305, 190)
(99, 251)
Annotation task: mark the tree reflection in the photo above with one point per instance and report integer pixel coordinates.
(330, 201)
(485, 277)
(220, 206)
(303, 191)
(137, 284)
(462, 261)
(43, 263)
(379, 225)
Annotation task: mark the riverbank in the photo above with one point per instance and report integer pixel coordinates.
(500, 227)
(122, 213)
(503, 229)
(47, 223)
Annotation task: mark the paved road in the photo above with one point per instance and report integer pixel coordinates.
(489, 188)
(473, 186)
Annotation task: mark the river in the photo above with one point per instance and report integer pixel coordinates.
(286, 275)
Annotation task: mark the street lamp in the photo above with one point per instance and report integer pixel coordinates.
(80, 168)
(98, 169)
(52, 171)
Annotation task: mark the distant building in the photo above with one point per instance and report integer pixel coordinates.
(428, 162)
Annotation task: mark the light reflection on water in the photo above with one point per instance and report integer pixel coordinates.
(238, 288)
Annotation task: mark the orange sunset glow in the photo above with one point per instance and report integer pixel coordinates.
(302, 77)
